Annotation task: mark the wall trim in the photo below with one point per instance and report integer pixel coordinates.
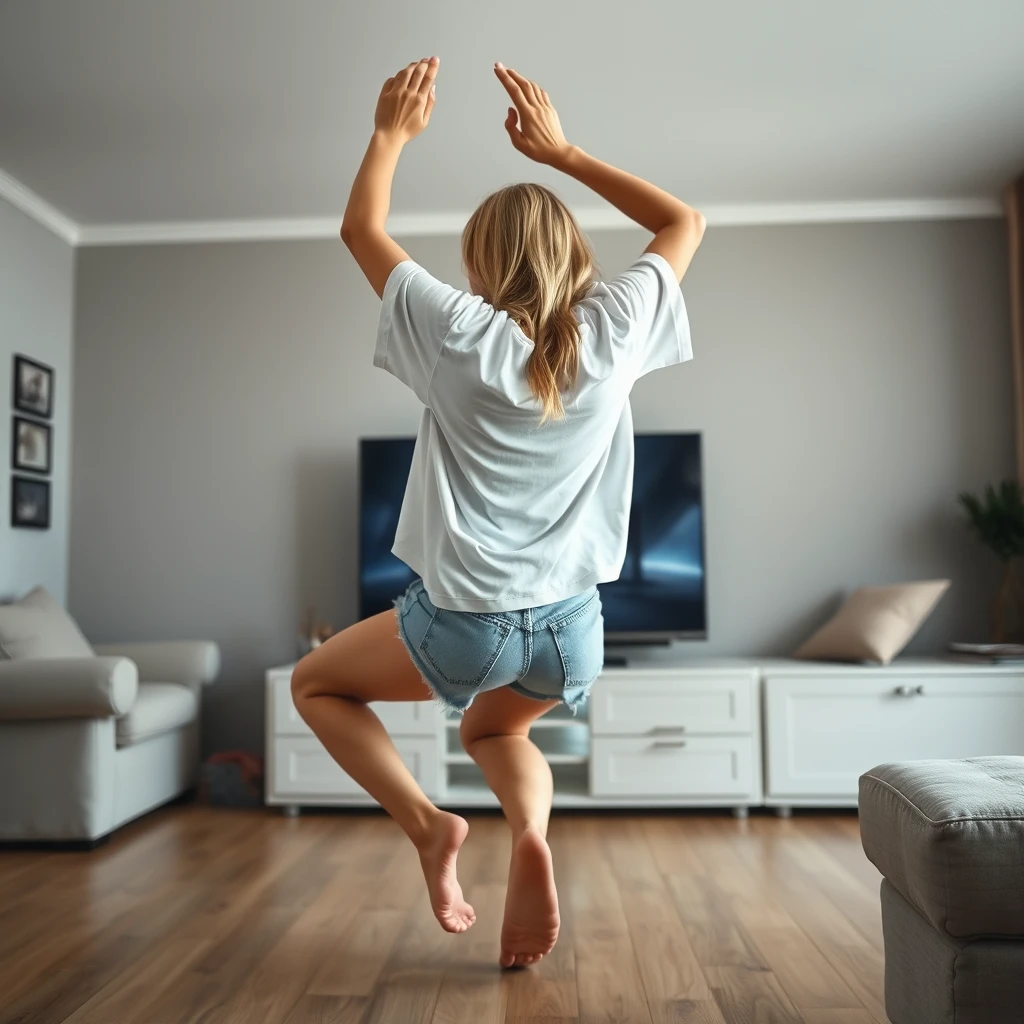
(590, 218)
(408, 225)
(38, 208)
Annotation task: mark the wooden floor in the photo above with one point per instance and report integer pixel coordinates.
(195, 915)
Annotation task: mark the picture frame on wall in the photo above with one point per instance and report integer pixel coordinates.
(30, 503)
(31, 446)
(33, 387)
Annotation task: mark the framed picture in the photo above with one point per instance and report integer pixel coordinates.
(33, 387)
(30, 503)
(31, 446)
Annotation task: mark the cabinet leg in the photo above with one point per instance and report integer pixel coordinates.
(784, 812)
(290, 810)
(741, 813)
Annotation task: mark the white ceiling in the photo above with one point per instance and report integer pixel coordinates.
(128, 111)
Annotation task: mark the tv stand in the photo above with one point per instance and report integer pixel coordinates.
(668, 734)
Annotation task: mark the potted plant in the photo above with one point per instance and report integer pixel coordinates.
(996, 518)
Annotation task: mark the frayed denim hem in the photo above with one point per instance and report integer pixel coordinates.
(444, 702)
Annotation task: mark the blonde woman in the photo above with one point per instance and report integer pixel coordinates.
(517, 503)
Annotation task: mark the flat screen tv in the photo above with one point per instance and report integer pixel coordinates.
(660, 594)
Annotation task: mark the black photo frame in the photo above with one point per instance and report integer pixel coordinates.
(30, 503)
(26, 438)
(33, 387)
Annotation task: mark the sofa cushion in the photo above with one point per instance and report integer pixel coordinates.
(158, 708)
(875, 623)
(949, 836)
(38, 627)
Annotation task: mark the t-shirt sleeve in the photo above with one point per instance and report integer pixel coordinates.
(645, 307)
(416, 314)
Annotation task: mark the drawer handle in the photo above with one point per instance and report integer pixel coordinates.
(902, 691)
(919, 690)
(660, 730)
(668, 744)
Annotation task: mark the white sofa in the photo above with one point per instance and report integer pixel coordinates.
(90, 740)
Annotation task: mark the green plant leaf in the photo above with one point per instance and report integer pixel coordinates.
(997, 518)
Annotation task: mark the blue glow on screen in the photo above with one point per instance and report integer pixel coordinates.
(662, 585)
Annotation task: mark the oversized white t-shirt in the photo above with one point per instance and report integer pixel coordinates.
(502, 512)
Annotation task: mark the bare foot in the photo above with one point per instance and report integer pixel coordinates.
(531, 903)
(437, 858)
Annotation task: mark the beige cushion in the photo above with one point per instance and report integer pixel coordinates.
(37, 627)
(158, 708)
(875, 623)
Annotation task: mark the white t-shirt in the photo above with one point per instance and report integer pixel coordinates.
(502, 512)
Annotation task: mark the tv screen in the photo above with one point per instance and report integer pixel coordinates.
(661, 590)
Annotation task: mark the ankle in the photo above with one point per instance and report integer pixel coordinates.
(422, 827)
(538, 827)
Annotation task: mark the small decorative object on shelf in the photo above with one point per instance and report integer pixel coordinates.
(988, 654)
(997, 519)
(313, 633)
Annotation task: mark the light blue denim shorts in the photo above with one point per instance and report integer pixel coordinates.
(554, 652)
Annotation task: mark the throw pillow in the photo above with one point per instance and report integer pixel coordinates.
(38, 627)
(875, 623)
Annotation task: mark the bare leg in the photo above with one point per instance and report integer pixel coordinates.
(495, 733)
(331, 687)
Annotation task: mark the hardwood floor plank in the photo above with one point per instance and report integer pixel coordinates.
(837, 1017)
(805, 975)
(716, 935)
(194, 916)
(326, 1010)
(609, 987)
(751, 997)
(473, 988)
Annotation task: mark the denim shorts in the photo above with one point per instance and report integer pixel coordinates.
(554, 652)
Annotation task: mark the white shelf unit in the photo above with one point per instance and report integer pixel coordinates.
(688, 733)
(825, 725)
(683, 735)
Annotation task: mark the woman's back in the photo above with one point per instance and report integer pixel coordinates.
(504, 511)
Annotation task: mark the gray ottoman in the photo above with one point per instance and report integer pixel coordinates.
(948, 837)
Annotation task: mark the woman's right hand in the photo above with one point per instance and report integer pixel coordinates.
(532, 124)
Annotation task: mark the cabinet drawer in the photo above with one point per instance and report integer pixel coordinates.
(303, 768)
(635, 704)
(701, 766)
(419, 718)
(823, 733)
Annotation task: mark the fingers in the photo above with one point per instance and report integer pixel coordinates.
(429, 106)
(529, 89)
(512, 127)
(403, 76)
(512, 87)
(429, 74)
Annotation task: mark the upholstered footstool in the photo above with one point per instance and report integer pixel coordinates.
(948, 837)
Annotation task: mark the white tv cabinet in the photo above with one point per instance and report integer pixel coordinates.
(673, 732)
(652, 735)
(827, 724)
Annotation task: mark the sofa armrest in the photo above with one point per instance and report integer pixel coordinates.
(67, 688)
(188, 662)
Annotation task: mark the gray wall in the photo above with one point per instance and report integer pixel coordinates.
(849, 380)
(36, 294)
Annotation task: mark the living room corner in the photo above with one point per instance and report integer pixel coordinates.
(789, 787)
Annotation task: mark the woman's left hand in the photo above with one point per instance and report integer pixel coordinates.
(405, 102)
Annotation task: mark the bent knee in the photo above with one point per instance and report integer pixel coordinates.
(307, 680)
(471, 732)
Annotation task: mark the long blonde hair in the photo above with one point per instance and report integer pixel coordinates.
(528, 257)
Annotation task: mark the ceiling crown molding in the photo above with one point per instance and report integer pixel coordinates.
(409, 225)
(38, 208)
